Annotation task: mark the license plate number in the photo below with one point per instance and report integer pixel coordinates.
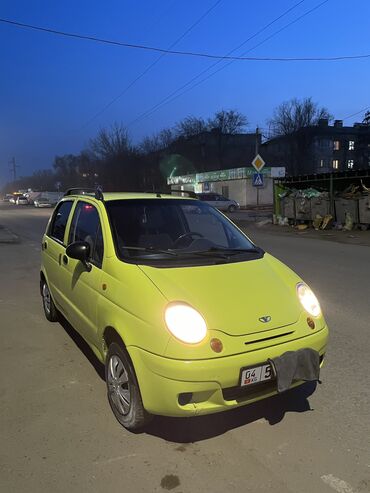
(258, 374)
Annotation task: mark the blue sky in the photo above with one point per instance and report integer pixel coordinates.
(51, 86)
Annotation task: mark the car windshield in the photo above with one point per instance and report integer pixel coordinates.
(176, 230)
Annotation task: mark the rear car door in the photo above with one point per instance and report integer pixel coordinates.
(53, 249)
(84, 286)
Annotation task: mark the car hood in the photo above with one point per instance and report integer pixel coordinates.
(234, 297)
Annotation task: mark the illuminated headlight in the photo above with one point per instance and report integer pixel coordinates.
(308, 300)
(185, 323)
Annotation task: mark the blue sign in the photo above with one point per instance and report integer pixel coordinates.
(257, 180)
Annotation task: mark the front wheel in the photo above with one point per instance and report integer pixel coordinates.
(123, 390)
(231, 208)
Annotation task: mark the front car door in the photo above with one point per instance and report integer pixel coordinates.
(84, 286)
(222, 203)
(53, 249)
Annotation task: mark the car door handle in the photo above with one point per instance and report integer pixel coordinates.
(44, 245)
(65, 259)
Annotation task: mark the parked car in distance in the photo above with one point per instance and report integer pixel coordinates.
(21, 200)
(7, 197)
(47, 199)
(187, 314)
(43, 202)
(219, 201)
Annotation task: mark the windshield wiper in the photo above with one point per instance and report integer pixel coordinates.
(223, 252)
(150, 250)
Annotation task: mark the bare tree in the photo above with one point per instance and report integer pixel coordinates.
(366, 119)
(157, 142)
(228, 122)
(111, 142)
(291, 116)
(191, 126)
(166, 137)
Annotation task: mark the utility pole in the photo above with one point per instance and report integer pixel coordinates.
(257, 140)
(13, 168)
(257, 149)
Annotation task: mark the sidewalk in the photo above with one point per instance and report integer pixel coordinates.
(6, 236)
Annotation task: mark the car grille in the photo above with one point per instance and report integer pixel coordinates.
(242, 393)
(264, 339)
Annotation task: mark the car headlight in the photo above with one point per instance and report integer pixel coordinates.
(185, 323)
(308, 300)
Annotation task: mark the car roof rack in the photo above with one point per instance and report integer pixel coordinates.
(97, 192)
(159, 193)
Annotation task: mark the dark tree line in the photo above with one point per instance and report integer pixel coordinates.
(113, 161)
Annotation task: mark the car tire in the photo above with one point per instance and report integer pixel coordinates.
(231, 208)
(50, 310)
(123, 390)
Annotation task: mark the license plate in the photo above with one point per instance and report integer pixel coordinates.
(250, 376)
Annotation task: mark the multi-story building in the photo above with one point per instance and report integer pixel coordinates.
(321, 148)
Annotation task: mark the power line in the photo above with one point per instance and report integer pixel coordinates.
(150, 66)
(167, 98)
(169, 51)
(357, 113)
(171, 97)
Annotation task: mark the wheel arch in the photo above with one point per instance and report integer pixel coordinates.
(110, 334)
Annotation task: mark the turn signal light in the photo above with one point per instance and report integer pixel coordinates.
(216, 345)
(310, 323)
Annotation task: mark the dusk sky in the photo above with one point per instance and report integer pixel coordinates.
(52, 86)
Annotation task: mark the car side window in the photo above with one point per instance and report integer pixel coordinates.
(59, 221)
(86, 226)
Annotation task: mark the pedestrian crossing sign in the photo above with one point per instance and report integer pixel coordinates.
(257, 180)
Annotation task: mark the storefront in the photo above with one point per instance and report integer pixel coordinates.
(236, 184)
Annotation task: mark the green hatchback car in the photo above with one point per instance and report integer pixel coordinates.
(187, 314)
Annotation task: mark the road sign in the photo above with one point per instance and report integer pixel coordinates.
(257, 180)
(258, 163)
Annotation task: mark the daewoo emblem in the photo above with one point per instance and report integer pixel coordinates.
(265, 319)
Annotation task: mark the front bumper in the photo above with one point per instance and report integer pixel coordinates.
(163, 380)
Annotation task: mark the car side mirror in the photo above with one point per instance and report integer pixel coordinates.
(80, 250)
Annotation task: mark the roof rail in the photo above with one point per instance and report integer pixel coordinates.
(159, 193)
(97, 192)
(78, 191)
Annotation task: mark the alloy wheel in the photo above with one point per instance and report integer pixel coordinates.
(118, 385)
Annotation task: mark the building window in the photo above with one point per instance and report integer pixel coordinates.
(335, 164)
(322, 163)
(336, 145)
(351, 145)
(323, 143)
(350, 163)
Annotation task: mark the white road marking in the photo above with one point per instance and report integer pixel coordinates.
(114, 459)
(337, 484)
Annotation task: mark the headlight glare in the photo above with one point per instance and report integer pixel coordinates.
(308, 300)
(185, 323)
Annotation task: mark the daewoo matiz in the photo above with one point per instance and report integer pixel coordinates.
(188, 316)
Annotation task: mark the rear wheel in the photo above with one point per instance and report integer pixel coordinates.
(123, 389)
(51, 313)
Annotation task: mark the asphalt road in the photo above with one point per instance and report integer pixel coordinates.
(58, 433)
